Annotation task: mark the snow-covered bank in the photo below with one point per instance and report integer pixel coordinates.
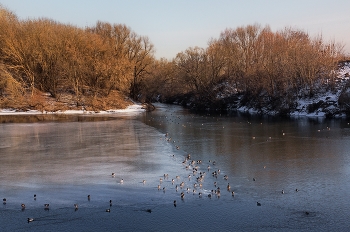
(132, 109)
(322, 105)
(328, 98)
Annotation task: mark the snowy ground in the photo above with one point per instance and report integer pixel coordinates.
(135, 108)
(329, 99)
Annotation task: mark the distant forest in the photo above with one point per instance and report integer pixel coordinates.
(44, 56)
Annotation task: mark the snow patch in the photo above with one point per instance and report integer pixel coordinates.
(132, 109)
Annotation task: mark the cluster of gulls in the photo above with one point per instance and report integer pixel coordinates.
(192, 181)
(197, 172)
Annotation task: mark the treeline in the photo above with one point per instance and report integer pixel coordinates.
(261, 66)
(56, 58)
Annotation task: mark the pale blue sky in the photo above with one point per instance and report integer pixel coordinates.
(175, 25)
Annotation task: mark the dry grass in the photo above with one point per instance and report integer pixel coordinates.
(115, 100)
(43, 102)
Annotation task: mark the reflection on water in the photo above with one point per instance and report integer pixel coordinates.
(64, 159)
(52, 118)
(55, 152)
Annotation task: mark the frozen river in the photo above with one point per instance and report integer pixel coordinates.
(63, 161)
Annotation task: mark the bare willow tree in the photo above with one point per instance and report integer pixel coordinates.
(216, 61)
(16, 50)
(31, 50)
(191, 65)
(11, 90)
(163, 83)
(132, 55)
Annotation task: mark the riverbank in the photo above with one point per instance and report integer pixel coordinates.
(134, 108)
(322, 101)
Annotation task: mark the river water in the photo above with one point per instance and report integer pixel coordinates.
(297, 169)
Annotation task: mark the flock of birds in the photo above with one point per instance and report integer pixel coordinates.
(191, 182)
(196, 178)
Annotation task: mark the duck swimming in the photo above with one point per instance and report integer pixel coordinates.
(182, 195)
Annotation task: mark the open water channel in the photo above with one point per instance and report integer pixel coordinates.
(297, 169)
